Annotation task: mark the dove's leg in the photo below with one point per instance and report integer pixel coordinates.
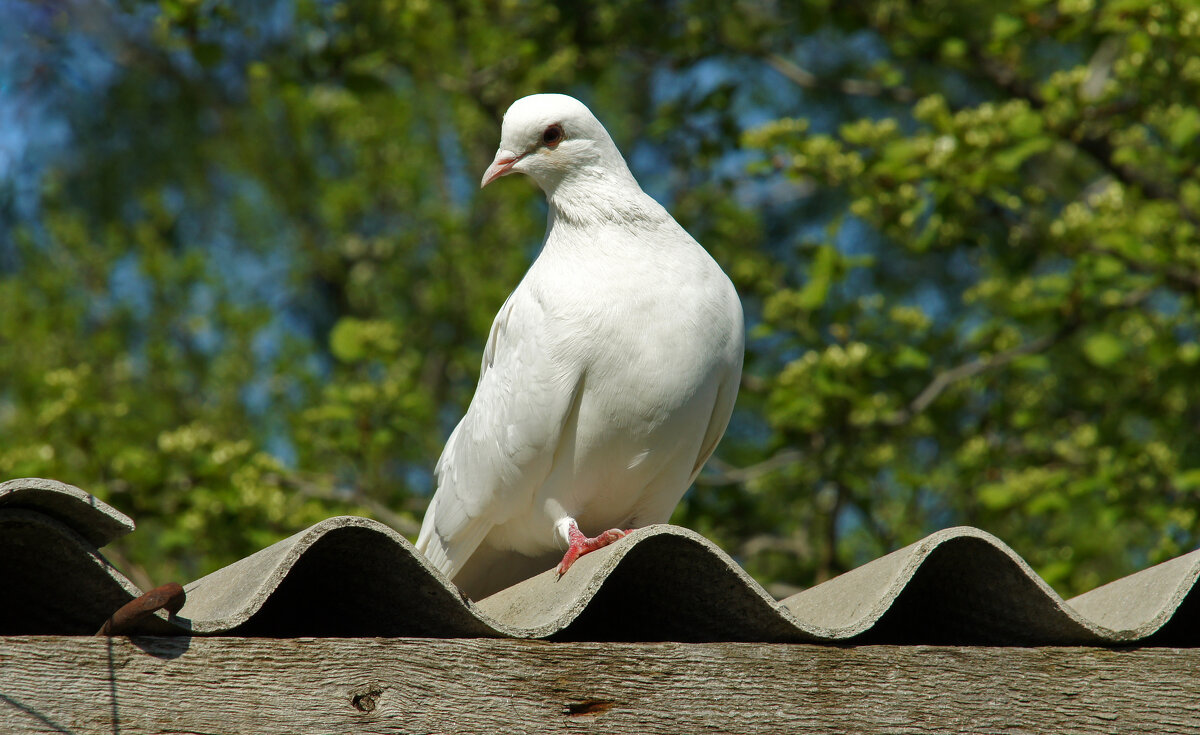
(578, 544)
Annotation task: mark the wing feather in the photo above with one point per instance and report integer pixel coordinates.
(717, 423)
(502, 450)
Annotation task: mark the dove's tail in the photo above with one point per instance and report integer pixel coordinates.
(449, 551)
(429, 543)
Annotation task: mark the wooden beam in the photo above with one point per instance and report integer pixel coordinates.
(55, 684)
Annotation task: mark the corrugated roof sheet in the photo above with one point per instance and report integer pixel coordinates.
(351, 576)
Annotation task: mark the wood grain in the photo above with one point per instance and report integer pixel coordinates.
(55, 684)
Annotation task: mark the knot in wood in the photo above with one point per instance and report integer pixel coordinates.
(367, 701)
(588, 707)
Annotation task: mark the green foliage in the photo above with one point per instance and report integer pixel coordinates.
(1032, 180)
(255, 290)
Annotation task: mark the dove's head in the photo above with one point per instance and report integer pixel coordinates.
(552, 138)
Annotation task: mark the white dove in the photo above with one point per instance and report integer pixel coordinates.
(608, 377)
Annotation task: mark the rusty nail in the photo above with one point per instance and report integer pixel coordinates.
(169, 597)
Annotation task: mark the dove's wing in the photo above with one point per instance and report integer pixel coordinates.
(503, 449)
(726, 395)
(722, 410)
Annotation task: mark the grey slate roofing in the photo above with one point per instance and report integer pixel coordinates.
(350, 576)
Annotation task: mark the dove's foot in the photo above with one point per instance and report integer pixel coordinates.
(580, 545)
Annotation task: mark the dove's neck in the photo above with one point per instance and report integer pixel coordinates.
(596, 195)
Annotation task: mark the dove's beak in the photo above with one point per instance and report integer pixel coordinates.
(503, 164)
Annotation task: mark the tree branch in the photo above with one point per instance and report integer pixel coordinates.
(729, 475)
(940, 383)
(947, 378)
(1096, 147)
(1188, 280)
(854, 87)
(404, 524)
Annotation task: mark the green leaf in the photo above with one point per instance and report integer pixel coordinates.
(346, 340)
(954, 48)
(1005, 26)
(1010, 159)
(1185, 127)
(910, 357)
(1104, 349)
(1188, 480)
(820, 278)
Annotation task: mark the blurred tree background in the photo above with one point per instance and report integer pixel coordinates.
(246, 273)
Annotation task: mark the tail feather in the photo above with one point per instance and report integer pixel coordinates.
(448, 553)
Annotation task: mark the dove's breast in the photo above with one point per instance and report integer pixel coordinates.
(657, 343)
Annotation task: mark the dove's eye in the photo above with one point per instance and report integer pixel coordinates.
(553, 135)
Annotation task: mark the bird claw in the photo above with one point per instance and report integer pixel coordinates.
(580, 545)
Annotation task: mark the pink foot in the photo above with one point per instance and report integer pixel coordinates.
(580, 545)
